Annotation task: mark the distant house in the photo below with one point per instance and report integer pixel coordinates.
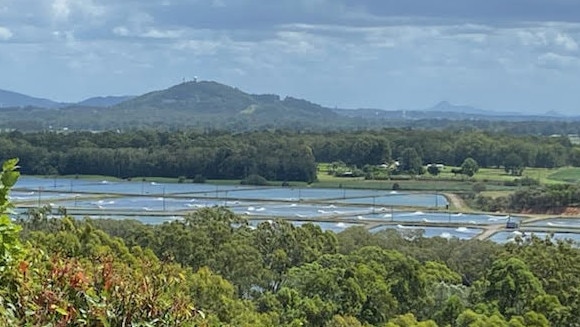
(440, 166)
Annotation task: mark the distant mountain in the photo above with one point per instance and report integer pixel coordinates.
(103, 102)
(445, 106)
(210, 106)
(208, 99)
(13, 99)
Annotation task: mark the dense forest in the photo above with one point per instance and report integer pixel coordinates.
(214, 269)
(275, 155)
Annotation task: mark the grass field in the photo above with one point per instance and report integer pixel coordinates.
(493, 178)
(568, 175)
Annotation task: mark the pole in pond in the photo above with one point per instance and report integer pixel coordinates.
(163, 198)
(436, 200)
(374, 198)
(392, 215)
(39, 195)
(226, 199)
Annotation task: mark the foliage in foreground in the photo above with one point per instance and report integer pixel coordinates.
(214, 269)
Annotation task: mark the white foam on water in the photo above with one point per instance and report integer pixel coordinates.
(462, 230)
(251, 208)
(342, 225)
(387, 215)
(393, 192)
(261, 209)
(446, 235)
(293, 205)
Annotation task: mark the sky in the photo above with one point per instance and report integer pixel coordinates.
(501, 55)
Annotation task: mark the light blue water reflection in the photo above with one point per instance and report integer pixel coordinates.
(325, 226)
(463, 233)
(117, 187)
(505, 237)
(557, 222)
(402, 199)
(437, 217)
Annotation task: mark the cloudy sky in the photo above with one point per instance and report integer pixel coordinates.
(511, 55)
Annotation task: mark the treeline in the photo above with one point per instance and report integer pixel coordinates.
(550, 199)
(275, 155)
(280, 275)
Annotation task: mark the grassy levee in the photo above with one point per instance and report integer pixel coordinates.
(497, 182)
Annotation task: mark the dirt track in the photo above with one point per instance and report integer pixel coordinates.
(456, 202)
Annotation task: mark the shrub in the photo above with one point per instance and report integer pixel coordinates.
(396, 186)
(199, 178)
(254, 179)
(479, 187)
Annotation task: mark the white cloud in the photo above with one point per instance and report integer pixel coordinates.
(121, 31)
(5, 33)
(556, 61)
(62, 10)
(566, 41)
(162, 34)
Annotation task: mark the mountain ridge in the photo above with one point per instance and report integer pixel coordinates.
(15, 99)
(209, 105)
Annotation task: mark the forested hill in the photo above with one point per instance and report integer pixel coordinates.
(203, 105)
(208, 98)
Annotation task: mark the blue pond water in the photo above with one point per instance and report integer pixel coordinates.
(438, 217)
(505, 237)
(557, 222)
(335, 227)
(401, 199)
(139, 197)
(463, 233)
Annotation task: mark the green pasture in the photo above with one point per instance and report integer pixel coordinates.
(494, 179)
(568, 175)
